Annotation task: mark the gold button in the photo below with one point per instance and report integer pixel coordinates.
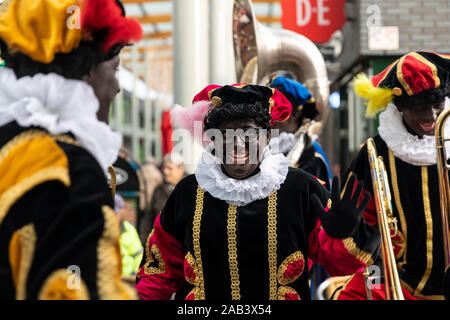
(397, 91)
(216, 101)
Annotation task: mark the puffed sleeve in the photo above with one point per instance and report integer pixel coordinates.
(161, 272)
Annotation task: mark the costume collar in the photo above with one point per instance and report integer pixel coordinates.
(283, 143)
(273, 171)
(58, 105)
(406, 146)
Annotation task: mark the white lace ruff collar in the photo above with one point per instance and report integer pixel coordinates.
(404, 145)
(58, 105)
(273, 171)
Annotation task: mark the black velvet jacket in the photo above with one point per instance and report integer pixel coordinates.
(415, 202)
(203, 248)
(57, 225)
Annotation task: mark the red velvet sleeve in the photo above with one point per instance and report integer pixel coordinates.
(162, 274)
(339, 256)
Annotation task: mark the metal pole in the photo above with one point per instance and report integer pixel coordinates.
(191, 57)
(134, 104)
(148, 108)
(221, 48)
(191, 49)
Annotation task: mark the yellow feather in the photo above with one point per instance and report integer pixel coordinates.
(377, 98)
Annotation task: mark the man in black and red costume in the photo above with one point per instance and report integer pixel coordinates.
(58, 230)
(413, 91)
(242, 229)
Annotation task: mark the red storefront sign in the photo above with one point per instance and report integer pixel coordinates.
(315, 19)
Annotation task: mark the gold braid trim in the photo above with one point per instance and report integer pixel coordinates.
(196, 242)
(8, 198)
(5, 5)
(149, 258)
(400, 77)
(56, 287)
(161, 268)
(398, 204)
(296, 256)
(23, 258)
(418, 295)
(337, 285)
(232, 253)
(429, 224)
(359, 254)
(346, 183)
(271, 101)
(109, 263)
(66, 139)
(191, 261)
(286, 289)
(30, 135)
(21, 138)
(193, 294)
(272, 238)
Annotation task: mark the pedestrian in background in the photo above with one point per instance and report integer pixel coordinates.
(173, 171)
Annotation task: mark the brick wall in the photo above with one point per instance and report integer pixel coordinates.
(423, 24)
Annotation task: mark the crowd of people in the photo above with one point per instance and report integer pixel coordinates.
(253, 222)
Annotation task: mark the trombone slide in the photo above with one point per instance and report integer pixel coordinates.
(385, 218)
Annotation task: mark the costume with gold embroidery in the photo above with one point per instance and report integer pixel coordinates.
(55, 217)
(411, 168)
(220, 238)
(258, 250)
(59, 236)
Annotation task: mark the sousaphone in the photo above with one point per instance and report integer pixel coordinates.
(260, 52)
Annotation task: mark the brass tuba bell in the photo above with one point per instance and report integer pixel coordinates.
(261, 52)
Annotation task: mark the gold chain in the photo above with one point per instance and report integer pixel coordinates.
(272, 233)
(232, 253)
(196, 240)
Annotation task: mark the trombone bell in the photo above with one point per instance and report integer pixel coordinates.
(260, 52)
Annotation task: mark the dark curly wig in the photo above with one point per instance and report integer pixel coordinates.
(230, 112)
(73, 65)
(424, 98)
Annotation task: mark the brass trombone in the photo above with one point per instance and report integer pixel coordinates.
(444, 189)
(386, 221)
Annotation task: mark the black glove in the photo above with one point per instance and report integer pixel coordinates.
(344, 215)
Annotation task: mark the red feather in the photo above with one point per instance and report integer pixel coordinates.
(106, 14)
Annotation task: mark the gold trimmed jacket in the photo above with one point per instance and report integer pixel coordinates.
(203, 248)
(58, 231)
(415, 202)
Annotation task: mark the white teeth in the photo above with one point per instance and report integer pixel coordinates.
(427, 128)
(241, 156)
